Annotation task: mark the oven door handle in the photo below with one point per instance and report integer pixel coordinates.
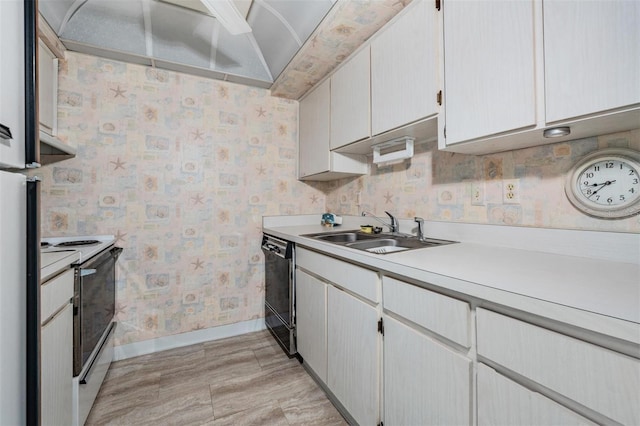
(115, 252)
(84, 379)
(85, 272)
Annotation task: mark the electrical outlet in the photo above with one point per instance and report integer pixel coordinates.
(477, 194)
(511, 191)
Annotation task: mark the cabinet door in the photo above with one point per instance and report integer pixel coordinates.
(311, 322)
(47, 89)
(591, 56)
(504, 402)
(313, 150)
(404, 70)
(350, 100)
(352, 348)
(425, 383)
(57, 368)
(488, 67)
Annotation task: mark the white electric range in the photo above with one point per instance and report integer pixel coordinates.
(94, 306)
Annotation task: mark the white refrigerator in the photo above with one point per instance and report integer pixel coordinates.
(19, 217)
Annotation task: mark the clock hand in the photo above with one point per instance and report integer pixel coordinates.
(609, 182)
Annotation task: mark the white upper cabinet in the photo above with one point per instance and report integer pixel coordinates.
(47, 90)
(489, 67)
(404, 69)
(315, 159)
(350, 93)
(313, 149)
(591, 57)
(513, 69)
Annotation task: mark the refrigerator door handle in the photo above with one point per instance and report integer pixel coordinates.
(5, 132)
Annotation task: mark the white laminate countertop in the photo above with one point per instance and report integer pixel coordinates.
(54, 262)
(596, 293)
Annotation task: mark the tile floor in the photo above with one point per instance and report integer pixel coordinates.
(243, 380)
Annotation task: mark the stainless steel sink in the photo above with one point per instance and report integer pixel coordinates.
(343, 237)
(378, 243)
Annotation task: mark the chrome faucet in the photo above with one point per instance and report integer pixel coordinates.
(393, 226)
(420, 222)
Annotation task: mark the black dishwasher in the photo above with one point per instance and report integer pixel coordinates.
(279, 277)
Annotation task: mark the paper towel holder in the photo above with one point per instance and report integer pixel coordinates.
(391, 151)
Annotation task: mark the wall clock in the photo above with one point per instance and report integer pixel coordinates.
(606, 183)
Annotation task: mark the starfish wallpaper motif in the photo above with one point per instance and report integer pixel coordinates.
(177, 205)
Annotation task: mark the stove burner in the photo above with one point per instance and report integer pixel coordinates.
(77, 243)
(44, 244)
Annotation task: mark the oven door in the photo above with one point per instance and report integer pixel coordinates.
(94, 304)
(279, 313)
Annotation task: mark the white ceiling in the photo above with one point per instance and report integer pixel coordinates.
(162, 34)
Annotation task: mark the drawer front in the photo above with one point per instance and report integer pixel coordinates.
(448, 317)
(358, 280)
(55, 293)
(504, 402)
(605, 381)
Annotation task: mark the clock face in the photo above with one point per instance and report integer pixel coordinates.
(610, 182)
(606, 184)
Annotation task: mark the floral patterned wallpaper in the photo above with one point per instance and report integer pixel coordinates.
(437, 186)
(181, 169)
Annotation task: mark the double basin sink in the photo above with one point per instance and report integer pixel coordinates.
(378, 243)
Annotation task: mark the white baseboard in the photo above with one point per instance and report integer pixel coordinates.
(145, 347)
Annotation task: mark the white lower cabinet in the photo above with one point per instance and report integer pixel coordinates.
(337, 330)
(604, 381)
(57, 373)
(311, 322)
(56, 355)
(504, 402)
(427, 377)
(444, 360)
(352, 352)
(425, 382)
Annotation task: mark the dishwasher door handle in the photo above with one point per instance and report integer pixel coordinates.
(274, 249)
(85, 272)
